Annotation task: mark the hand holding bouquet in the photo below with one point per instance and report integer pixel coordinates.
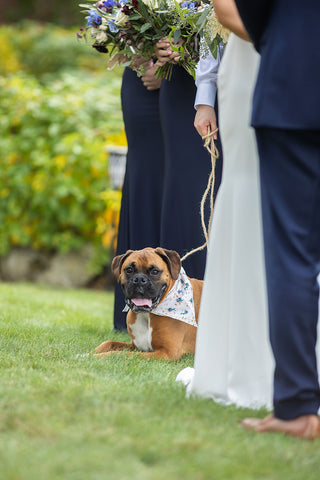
(130, 28)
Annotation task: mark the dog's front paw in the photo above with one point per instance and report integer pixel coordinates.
(105, 347)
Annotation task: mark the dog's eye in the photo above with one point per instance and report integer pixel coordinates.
(129, 270)
(155, 271)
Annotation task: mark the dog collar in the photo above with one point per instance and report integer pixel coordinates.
(178, 304)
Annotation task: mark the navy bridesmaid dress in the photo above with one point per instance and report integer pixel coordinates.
(187, 169)
(140, 215)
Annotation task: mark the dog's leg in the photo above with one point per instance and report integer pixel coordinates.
(155, 355)
(110, 345)
(161, 353)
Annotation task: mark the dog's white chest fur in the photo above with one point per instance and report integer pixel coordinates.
(142, 332)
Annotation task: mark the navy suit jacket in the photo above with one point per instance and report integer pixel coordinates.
(287, 35)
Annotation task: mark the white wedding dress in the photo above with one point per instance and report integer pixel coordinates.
(233, 359)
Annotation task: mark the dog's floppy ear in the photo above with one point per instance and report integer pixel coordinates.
(117, 263)
(172, 259)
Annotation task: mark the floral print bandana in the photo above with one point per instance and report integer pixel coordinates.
(179, 304)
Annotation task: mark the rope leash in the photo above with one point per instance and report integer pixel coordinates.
(214, 154)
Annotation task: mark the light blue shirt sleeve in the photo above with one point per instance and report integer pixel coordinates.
(206, 79)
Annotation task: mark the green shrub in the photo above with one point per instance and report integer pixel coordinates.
(59, 107)
(60, 11)
(53, 166)
(10, 62)
(44, 50)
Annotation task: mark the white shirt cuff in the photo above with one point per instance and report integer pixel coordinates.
(206, 94)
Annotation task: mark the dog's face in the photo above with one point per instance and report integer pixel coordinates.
(146, 276)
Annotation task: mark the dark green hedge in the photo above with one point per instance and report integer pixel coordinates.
(62, 12)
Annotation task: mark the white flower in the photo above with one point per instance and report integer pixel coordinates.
(152, 4)
(101, 37)
(121, 18)
(214, 28)
(104, 24)
(94, 32)
(172, 5)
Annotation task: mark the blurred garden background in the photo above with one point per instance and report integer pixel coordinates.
(65, 414)
(59, 112)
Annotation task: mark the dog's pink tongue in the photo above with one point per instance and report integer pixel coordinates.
(142, 302)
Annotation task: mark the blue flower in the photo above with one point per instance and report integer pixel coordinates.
(109, 4)
(94, 19)
(191, 6)
(113, 27)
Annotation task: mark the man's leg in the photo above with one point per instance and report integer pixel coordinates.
(290, 191)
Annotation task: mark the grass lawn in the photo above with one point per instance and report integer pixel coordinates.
(70, 417)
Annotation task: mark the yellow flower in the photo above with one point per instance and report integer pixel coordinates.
(4, 192)
(12, 158)
(100, 226)
(38, 182)
(15, 240)
(108, 216)
(85, 182)
(119, 139)
(94, 172)
(27, 229)
(16, 121)
(108, 238)
(9, 60)
(60, 161)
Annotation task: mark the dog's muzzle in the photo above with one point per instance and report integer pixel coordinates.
(142, 294)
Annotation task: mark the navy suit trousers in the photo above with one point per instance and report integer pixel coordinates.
(290, 193)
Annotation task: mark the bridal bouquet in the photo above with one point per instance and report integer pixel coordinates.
(128, 29)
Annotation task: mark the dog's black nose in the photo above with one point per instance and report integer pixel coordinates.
(140, 279)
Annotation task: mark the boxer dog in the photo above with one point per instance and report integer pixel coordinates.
(163, 304)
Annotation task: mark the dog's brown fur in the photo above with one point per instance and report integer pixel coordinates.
(169, 338)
